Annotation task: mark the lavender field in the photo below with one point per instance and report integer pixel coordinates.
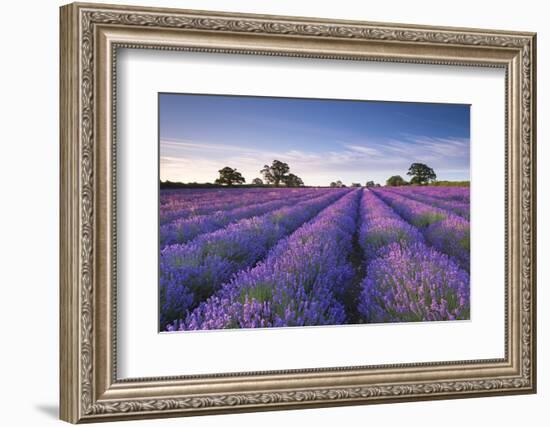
(277, 257)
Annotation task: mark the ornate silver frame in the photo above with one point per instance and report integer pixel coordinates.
(90, 36)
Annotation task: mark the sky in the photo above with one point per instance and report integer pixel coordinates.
(321, 140)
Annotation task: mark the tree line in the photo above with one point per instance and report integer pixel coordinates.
(279, 173)
(276, 174)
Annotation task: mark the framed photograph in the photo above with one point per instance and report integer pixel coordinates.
(266, 212)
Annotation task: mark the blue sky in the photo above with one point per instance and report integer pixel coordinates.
(321, 140)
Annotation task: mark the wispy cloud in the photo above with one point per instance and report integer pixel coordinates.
(362, 149)
(184, 145)
(190, 161)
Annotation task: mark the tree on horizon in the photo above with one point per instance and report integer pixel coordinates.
(229, 176)
(278, 173)
(421, 174)
(396, 181)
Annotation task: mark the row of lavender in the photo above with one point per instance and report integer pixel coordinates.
(406, 279)
(191, 272)
(180, 204)
(186, 228)
(446, 231)
(459, 194)
(445, 200)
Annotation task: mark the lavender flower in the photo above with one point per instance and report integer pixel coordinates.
(382, 226)
(458, 207)
(411, 283)
(444, 230)
(452, 236)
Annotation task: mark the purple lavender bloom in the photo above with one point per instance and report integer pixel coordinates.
(451, 236)
(187, 203)
(184, 229)
(460, 194)
(418, 214)
(458, 207)
(411, 283)
(444, 230)
(381, 226)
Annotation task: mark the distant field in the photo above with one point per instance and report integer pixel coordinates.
(273, 257)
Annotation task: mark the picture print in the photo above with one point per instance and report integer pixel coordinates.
(287, 212)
